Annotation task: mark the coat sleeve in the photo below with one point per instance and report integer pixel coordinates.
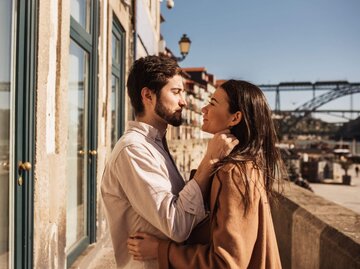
(233, 234)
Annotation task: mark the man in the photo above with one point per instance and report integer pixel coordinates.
(141, 187)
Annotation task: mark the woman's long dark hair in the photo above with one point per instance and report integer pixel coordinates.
(256, 134)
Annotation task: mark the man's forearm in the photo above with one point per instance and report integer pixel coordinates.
(202, 175)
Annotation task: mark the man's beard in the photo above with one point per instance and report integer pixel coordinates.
(173, 119)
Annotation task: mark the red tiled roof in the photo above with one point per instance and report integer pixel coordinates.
(185, 74)
(194, 69)
(219, 82)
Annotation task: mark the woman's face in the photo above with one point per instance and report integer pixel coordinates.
(216, 114)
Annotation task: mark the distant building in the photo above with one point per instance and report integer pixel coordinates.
(349, 131)
(187, 142)
(205, 83)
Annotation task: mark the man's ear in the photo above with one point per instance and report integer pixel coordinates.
(146, 95)
(236, 118)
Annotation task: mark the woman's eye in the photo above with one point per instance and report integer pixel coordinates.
(211, 103)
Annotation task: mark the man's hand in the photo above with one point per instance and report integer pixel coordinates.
(220, 146)
(143, 246)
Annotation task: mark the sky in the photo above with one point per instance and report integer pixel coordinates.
(270, 41)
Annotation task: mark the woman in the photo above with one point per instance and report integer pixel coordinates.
(241, 233)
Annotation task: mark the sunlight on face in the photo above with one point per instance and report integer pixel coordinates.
(171, 101)
(216, 114)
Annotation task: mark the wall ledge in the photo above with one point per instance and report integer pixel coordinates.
(313, 232)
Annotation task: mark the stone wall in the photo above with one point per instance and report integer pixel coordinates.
(315, 233)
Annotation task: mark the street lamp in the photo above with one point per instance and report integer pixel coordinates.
(184, 45)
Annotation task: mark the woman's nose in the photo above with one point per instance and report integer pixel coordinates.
(203, 110)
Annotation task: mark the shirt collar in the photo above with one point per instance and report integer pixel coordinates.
(147, 130)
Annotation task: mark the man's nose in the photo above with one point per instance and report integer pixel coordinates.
(183, 100)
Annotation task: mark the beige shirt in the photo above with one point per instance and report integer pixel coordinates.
(143, 191)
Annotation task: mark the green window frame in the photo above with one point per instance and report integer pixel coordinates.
(118, 74)
(25, 80)
(88, 41)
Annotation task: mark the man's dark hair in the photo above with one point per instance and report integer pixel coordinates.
(152, 72)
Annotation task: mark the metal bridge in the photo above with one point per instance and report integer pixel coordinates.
(334, 90)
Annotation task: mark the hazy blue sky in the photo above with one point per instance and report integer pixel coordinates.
(269, 41)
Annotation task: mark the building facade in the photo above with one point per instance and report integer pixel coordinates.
(62, 108)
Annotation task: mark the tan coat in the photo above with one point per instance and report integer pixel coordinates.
(235, 241)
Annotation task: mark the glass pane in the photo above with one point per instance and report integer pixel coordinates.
(114, 105)
(113, 46)
(5, 66)
(77, 145)
(115, 49)
(80, 11)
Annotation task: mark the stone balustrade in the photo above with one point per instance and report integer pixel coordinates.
(313, 232)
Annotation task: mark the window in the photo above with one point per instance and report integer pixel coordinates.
(117, 82)
(82, 129)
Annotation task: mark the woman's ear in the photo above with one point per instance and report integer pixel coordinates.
(236, 118)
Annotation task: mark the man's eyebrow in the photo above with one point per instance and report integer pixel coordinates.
(213, 99)
(178, 89)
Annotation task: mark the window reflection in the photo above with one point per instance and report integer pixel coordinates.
(77, 145)
(115, 49)
(117, 67)
(114, 103)
(80, 11)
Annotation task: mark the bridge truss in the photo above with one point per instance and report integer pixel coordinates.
(334, 90)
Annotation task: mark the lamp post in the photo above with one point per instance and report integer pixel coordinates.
(184, 45)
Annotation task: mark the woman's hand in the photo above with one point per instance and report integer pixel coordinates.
(143, 246)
